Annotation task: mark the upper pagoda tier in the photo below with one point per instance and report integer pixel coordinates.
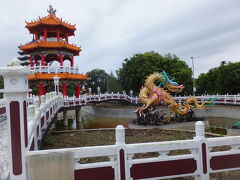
(52, 23)
(50, 42)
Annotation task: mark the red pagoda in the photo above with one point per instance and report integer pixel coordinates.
(50, 44)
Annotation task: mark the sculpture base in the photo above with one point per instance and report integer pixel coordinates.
(155, 117)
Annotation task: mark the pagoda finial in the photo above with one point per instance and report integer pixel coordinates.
(51, 10)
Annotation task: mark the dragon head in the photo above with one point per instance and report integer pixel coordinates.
(170, 84)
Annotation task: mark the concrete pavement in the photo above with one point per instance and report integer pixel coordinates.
(4, 166)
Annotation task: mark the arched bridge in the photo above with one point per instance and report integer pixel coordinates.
(29, 117)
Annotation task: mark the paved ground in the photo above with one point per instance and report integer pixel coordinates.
(3, 149)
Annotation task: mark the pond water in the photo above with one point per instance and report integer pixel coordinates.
(89, 121)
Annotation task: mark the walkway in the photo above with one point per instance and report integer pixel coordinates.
(3, 149)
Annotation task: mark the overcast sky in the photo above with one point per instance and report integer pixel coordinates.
(111, 30)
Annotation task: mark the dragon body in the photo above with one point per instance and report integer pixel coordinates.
(151, 95)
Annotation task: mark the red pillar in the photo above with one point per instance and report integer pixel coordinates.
(78, 89)
(41, 89)
(61, 59)
(72, 61)
(31, 61)
(45, 34)
(43, 60)
(64, 88)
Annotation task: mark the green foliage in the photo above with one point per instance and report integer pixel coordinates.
(223, 79)
(50, 141)
(99, 78)
(135, 69)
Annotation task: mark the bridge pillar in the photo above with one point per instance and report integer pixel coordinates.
(74, 124)
(16, 92)
(56, 84)
(65, 120)
(78, 115)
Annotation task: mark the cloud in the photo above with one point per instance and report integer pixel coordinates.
(110, 31)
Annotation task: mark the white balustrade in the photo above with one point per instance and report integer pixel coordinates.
(54, 69)
(201, 159)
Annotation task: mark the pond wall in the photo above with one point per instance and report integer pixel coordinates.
(213, 111)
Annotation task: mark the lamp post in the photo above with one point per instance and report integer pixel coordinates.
(98, 89)
(89, 91)
(194, 88)
(106, 76)
(131, 93)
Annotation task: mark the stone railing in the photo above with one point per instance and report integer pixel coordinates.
(40, 115)
(83, 100)
(199, 161)
(55, 69)
(28, 119)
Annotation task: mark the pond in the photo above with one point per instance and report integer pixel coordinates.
(89, 121)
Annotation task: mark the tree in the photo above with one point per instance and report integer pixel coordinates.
(99, 78)
(113, 84)
(135, 69)
(223, 79)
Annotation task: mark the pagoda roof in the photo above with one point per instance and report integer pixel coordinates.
(50, 20)
(24, 58)
(49, 44)
(25, 63)
(21, 53)
(66, 75)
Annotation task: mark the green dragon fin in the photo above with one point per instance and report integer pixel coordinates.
(210, 101)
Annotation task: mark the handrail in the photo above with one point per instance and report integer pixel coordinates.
(55, 69)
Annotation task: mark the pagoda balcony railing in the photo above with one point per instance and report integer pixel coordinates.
(55, 69)
(52, 40)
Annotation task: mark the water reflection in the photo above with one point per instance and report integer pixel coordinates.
(89, 121)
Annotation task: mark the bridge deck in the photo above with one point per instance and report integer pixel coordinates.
(4, 167)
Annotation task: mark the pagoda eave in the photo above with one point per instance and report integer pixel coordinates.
(62, 76)
(36, 46)
(50, 20)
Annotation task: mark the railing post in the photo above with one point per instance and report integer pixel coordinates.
(203, 164)
(16, 92)
(43, 100)
(47, 97)
(123, 172)
(37, 105)
(31, 111)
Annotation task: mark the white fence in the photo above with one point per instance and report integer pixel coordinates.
(55, 69)
(83, 100)
(199, 162)
(39, 116)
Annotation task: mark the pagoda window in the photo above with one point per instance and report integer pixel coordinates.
(52, 36)
(52, 39)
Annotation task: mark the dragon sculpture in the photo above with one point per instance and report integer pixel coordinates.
(151, 95)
